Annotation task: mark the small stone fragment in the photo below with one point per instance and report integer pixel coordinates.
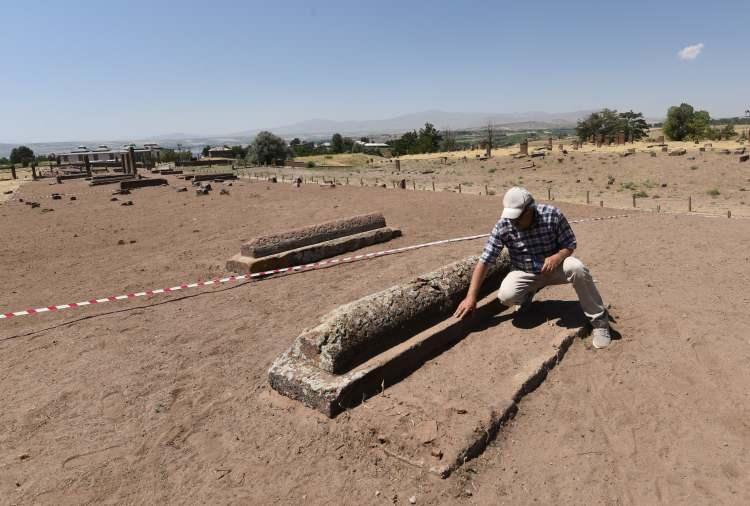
(413, 500)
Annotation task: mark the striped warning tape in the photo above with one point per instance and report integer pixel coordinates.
(285, 270)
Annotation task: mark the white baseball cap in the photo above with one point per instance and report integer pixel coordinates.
(515, 201)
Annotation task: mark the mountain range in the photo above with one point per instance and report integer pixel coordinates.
(441, 119)
(323, 128)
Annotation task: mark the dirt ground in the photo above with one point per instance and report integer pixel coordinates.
(715, 182)
(166, 400)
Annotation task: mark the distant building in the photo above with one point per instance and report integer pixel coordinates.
(220, 152)
(148, 153)
(372, 147)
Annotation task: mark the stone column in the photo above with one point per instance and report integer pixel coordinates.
(525, 147)
(131, 155)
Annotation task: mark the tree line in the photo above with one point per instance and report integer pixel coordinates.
(683, 123)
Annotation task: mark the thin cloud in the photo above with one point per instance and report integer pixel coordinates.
(690, 52)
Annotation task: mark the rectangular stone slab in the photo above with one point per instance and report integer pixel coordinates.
(357, 331)
(211, 177)
(293, 239)
(331, 394)
(308, 254)
(142, 183)
(471, 389)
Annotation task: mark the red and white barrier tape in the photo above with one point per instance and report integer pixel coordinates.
(285, 270)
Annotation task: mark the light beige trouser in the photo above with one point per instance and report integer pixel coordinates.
(518, 284)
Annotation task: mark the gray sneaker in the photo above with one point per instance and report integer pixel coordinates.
(601, 337)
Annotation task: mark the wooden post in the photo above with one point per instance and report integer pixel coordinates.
(433, 186)
(398, 165)
(347, 181)
(485, 190)
(601, 203)
(690, 203)
(634, 200)
(13, 171)
(361, 182)
(414, 184)
(549, 193)
(459, 187)
(729, 214)
(588, 199)
(658, 208)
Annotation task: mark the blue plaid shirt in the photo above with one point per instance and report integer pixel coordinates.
(549, 233)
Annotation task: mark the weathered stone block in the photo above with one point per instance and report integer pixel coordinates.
(293, 239)
(313, 253)
(141, 183)
(361, 329)
(331, 394)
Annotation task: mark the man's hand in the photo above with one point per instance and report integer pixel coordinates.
(467, 306)
(551, 263)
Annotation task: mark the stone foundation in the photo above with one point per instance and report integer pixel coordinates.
(357, 345)
(308, 254)
(298, 238)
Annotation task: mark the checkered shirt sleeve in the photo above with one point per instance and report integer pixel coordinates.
(565, 236)
(494, 245)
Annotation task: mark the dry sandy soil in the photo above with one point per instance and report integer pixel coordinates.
(166, 400)
(666, 181)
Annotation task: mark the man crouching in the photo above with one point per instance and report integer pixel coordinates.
(541, 244)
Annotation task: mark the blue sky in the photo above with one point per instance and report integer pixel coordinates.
(112, 70)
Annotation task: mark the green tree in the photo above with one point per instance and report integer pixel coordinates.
(683, 122)
(405, 144)
(303, 148)
(633, 125)
(267, 148)
(347, 145)
(728, 131)
(337, 143)
(699, 126)
(238, 152)
(205, 151)
(449, 141)
(606, 122)
(171, 155)
(23, 155)
(429, 139)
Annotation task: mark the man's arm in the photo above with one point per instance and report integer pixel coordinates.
(567, 241)
(492, 249)
(553, 262)
(469, 304)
